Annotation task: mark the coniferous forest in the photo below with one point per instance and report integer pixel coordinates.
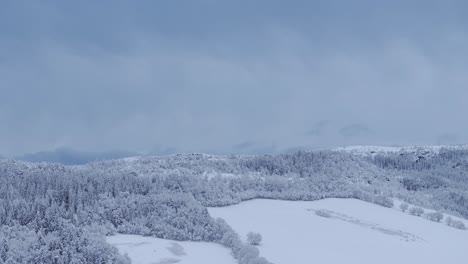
(52, 213)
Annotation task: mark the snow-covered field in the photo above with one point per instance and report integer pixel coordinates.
(355, 232)
(150, 250)
(326, 231)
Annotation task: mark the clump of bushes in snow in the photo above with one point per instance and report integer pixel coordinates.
(417, 211)
(455, 223)
(248, 254)
(435, 216)
(383, 201)
(244, 253)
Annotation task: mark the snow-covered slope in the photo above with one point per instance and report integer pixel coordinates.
(355, 232)
(151, 250)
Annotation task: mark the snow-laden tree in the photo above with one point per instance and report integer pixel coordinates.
(254, 238)
(383, 201)
(435, 216)
(455, 223)
(417, 211)
(403, 207)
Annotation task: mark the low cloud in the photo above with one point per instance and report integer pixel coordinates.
(355, 130)
(318, 128)
(136, 83)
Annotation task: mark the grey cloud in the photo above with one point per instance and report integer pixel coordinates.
(244, 145)
(249, 147)
(355, 130)
(318, 128)
(447, 139)
(148, 74)
(162, 150)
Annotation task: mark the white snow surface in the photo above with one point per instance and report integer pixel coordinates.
(151, 250)
(355, 232)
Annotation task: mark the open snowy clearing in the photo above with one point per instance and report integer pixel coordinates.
(150, 250)
(352, 231)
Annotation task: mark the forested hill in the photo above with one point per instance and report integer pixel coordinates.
(52, 213)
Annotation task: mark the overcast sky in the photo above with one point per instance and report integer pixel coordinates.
(231, 76)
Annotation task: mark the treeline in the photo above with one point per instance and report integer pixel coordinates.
(441, 176)
(166, 197)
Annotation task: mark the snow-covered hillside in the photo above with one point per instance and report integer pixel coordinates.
(167, 197)
(373, 150)
(151, 250)
(354, 232)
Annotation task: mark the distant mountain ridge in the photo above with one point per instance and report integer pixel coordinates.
(69, 156)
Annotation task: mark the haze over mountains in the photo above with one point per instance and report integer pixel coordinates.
(69, 156)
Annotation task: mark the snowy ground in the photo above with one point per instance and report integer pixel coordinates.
(354, 232)
(150, 250)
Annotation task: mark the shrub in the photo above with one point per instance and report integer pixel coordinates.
(247, 253)
(455, 223)
(259, 260)
(417, 211)
(435, 216)
(383, 201)
(254, 238)
(404, 207)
